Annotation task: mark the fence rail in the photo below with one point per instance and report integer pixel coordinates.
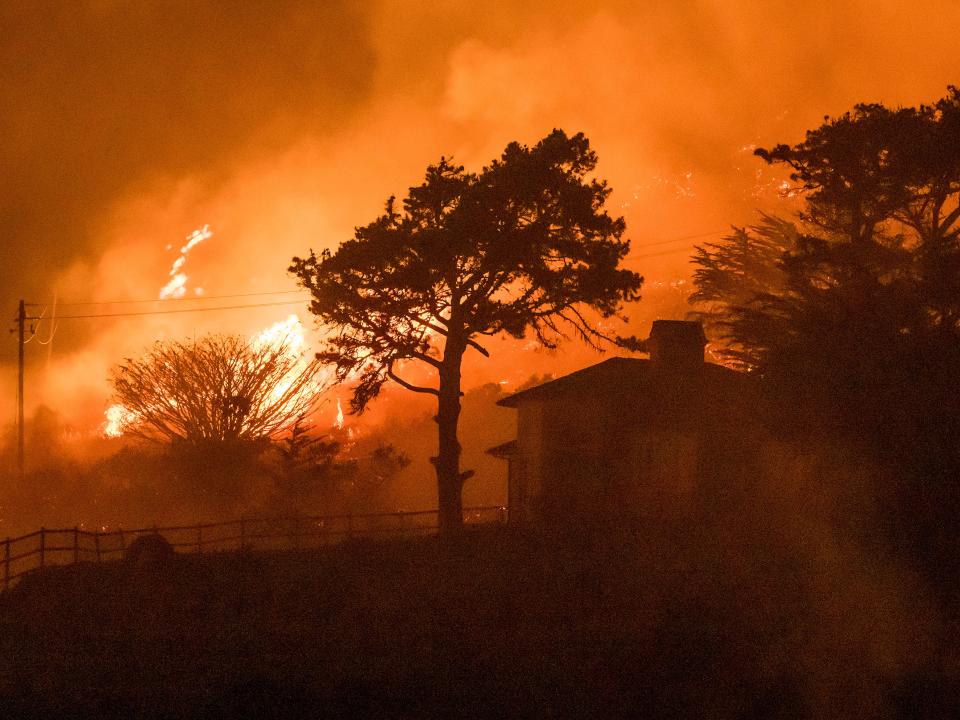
(70, 546)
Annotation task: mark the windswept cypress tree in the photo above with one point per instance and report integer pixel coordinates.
(523, 246)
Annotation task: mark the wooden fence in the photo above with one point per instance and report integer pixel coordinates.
(74, 545)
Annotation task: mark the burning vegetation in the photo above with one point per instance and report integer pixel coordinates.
(811, 572)
(177, 286)
(217, 388)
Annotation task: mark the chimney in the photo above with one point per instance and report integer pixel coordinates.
(677, 344)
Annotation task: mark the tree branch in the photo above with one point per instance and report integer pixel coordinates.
(409, 386)
(478, 347)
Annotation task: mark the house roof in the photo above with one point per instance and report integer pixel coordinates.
(503, 450)
(611, 375)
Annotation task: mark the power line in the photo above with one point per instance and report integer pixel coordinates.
(53, 327)
(263, 293)
(678, 239)
(675, 251)
(33, 327)
(200, 298)
(183, 299)
(182, 310)
(53, 331)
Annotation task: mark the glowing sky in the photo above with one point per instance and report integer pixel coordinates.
(127, 126)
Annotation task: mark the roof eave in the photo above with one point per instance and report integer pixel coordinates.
(504, 450)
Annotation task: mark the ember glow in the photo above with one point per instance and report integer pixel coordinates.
(117, 416)
(177, 286)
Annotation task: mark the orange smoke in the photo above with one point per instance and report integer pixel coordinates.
(673, 98)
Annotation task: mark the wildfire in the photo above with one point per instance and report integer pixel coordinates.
(117, 416)
(286, 334)
(177, 286)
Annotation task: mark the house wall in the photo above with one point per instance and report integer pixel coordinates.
(526, 465)
(664, 467)
(642, 453)
(580, 456)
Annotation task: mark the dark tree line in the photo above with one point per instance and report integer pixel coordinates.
(852, 309)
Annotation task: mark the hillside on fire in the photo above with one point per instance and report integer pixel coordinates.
(550, 359)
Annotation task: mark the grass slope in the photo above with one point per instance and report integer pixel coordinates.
(500, 624)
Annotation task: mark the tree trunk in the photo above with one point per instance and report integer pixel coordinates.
(447, 462)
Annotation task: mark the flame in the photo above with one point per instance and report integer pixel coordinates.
(286, 334)
(117, 416)
(177, 286)
(338, 424)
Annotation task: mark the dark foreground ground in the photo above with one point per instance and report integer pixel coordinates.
(500, 624)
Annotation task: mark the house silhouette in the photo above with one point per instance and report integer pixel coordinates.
(629, 437)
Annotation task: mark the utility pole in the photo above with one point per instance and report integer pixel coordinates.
(21, 322)
(21, 341)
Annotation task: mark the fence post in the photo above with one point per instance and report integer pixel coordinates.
(43, 545)
(6, 565)
(96, 545)
(199, 539)
(242, 567)
(123, 541)
(76, 545)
